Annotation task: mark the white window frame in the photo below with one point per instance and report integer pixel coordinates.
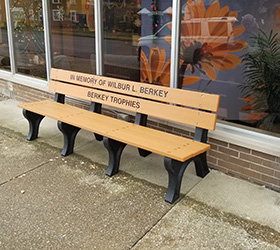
(55, 17)
(56, 1)
(73, 15)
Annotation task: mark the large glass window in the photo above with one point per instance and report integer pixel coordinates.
(135, 41)
(4, 47)
(28, 32)
(232, 48)
(73, 35)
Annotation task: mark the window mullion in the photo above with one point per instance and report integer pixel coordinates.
(10, 37)
(47, 35)
(98, 13)
(175, 43)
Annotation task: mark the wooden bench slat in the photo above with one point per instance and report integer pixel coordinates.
(161, 110)
(169, 145)
(192, 99)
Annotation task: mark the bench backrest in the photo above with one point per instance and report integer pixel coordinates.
(190, 107)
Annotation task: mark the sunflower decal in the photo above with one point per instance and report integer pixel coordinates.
(208, 39)
(157, 70)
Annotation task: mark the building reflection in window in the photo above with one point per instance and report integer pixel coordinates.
(134, 40)
(28, 32)
(73, 35)
(4, 47)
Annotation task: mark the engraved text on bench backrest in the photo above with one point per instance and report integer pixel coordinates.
(129, 95)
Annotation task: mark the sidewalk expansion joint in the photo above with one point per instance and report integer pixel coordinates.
(24, 173)
(182, 196)
(151, 228)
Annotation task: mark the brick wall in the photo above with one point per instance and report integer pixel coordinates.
(234, 160)
(245, 163)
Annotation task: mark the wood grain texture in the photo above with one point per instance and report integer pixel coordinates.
(176, 147)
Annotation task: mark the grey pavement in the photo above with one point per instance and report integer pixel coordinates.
(54, 202)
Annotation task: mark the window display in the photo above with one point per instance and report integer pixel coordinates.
(73, 35)
(134, 39)
(28, 32)
(233, 49)
(4, 47)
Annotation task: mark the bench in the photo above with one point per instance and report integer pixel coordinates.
(177, 105)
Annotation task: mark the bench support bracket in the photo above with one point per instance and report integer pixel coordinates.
(69, 133)
(59, 98)
(200, 161)
(34, 123)
(201, 165)
(141, 119)
(96, 108)
(175, 171)
(115, 149)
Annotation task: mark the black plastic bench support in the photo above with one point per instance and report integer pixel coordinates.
(175, 171)
(96, 108)
(141, 119)
(34, 123)
(69, 134)
(200, 135)
(59, 98)
(201, 165)
(200, 161)
(115, 149)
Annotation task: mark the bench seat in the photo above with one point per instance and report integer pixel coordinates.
(169, 145)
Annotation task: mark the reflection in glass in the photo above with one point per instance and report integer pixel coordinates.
(73, 35)
(4, 47)
(211, 51)
(28, 32)
(134, 40)
(216, 36)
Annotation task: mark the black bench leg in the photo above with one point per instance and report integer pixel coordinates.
(34, 123)
(143, 152)
(201, 165)
(115, 149)
(175, 171)
(69, 133)
(98, 137)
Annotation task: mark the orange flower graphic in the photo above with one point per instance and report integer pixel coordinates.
(255, 115)
(156, 70)
(278, 15)
(207, 38)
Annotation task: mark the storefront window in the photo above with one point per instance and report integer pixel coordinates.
(73, 35)
(28, 32)
(135, 41)
(4, 47)
(231, 48)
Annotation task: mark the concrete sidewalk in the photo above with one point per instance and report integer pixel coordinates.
(53, 202)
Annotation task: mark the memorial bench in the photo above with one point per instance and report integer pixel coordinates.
(182, 106)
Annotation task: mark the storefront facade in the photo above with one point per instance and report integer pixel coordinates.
(203, 45)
